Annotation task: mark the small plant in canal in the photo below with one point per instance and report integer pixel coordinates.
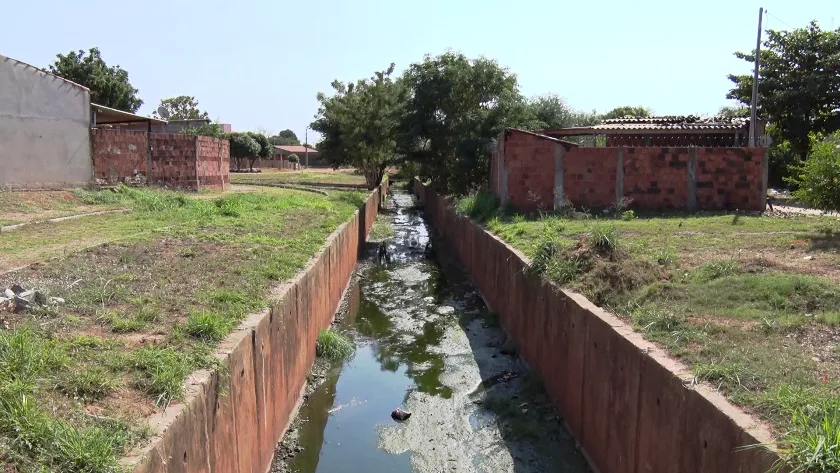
(333, 345)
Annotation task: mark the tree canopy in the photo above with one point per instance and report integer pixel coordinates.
(243, 146)
(627, 111)
(182, 107)
(109, 86)
(359, 124)
(550, 112)
(799, 83)
(456, 109)
(285, 137)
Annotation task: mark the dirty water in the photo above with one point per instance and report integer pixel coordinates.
(426, 343)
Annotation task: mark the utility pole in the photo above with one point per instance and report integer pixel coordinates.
(754, 101)
(306, 146)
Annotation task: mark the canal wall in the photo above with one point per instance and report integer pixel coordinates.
(631, 408)
(233, 417)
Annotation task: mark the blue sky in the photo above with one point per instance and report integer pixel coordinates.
(259, 64)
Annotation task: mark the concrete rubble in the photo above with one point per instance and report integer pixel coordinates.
(17, 298)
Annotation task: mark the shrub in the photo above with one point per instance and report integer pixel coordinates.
(479, 206)
(603, 238)
(293, 158)
(333, 345)
(628, 215)
(818, 177)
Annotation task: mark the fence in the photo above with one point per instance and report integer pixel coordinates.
(530, 172)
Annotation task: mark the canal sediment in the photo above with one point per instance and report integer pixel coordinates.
(426, 343)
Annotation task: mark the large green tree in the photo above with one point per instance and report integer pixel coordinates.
(243, 146)
(551, 112)
(266, 149)
(456, 109)
(799, 83)
(285, 137)
(627, 111)
(359, 123)
(182, 107)
(109, 86)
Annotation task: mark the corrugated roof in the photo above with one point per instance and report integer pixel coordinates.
(673, 123)
(111, 116)
(295, 149)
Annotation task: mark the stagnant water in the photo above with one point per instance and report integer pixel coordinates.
(425, 342)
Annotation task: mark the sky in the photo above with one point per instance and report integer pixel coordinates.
(259, 64)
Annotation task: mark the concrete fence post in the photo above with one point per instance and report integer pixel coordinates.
(691, 197)
(559, 194)
(619, 174)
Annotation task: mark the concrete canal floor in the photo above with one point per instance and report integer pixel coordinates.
(425, 342)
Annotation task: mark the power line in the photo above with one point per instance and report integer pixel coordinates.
(782, 21)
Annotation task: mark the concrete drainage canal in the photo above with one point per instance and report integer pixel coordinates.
(424, 343)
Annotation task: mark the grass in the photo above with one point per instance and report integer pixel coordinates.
(751, 303)
(142, 312)
(382, 229)
(30, 206)
(333, 345)
(341, 176)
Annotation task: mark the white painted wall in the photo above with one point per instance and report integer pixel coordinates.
(44, 129)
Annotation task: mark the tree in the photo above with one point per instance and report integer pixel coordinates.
(359, 124)
(213, 130)
(551, 112)
(627, 111)
(182, 107)
(109, 86)
(242, 146)
(456, 109)
(818, 177)
(799, 83)
(265, 151)
(285, 137)
(738, 111)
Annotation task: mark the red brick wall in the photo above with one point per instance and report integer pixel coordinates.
(529, 160)
(118, 154)
(656, 178)
(213, 163)
(173, 160)
(729, 178)
(589, 177)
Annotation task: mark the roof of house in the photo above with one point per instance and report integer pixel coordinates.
(111, 116)
(666, 124)
(295, 149)
(42, 71)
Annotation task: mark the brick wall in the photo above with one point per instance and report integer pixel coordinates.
(119, 154)
(212, 163)
(589, 177)
(524, 175)
(185, 161)
(655, 178)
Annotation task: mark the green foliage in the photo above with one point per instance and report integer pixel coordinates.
(798, 83)
(359, 124)
(737, 111)
(550, 112)
(811, 443)
(266, 148)
(285, 137)
(603, 238)
(109, 86)
(716, 270)
(208, 326)
(293, 158)
(456, 109)
(333, 345)
(182, 107)
(627, 111)
(818, 177)
(162, 372)
(479, 206)
(213, 130)
(243, 146)
(628, 215)
(88, 384)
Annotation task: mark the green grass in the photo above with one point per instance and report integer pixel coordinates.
(142, 312)
(333, 345)
(342, 176)
(750, 303)
(381, 230)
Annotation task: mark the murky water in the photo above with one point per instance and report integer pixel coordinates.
(426, 343)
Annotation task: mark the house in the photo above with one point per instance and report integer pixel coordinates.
(714, 132)
(44, 128)
(282, 153)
